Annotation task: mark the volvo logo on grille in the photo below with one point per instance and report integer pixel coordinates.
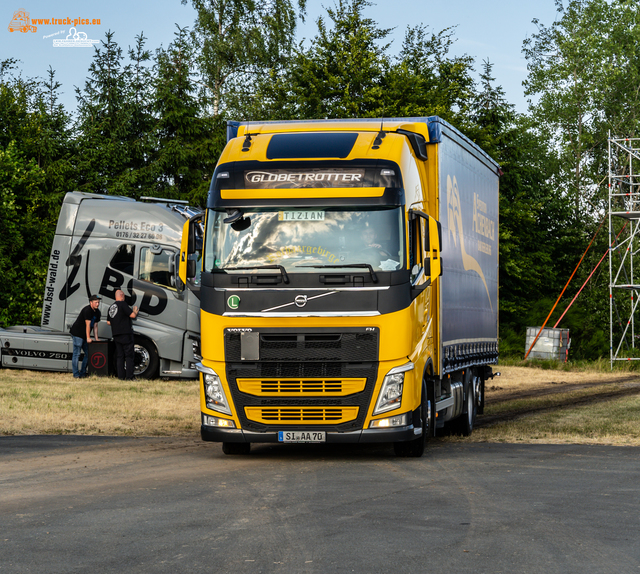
(300, 301)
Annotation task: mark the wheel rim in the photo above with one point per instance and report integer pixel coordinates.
(142, 359)
(478, 390)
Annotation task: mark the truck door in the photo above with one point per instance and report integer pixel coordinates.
(145, 273)
(163, 309)
(425, 263)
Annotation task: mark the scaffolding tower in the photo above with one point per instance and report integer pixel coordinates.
(624, 245)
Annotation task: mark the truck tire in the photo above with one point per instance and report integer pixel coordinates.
(236, 447)
(464, 423)
(146, 359)
(415, 448)
(479, 386)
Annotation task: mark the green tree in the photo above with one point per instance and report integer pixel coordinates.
(584, 70)
(347, 71)
(19, 179)
(584, 78)
(188, 144)
(36, 150)
(426, 80)
(115, 122)
(341, 74)
(239, 42)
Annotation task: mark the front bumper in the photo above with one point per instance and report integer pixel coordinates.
(399, 434)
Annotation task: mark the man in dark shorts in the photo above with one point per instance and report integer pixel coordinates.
(120, 316)
(81, 333)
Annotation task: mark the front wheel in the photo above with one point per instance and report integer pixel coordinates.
(415, 448)
(236, 447)
(145, 359)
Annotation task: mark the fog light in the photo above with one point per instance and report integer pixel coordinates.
(217, 422)
(397, 421)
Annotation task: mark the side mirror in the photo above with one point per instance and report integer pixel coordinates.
(191, 268)
(434, 247)
(431, 232)
(187, 267)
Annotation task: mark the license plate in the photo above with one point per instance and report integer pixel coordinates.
(302, 436)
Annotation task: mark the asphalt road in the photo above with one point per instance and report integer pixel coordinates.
(126, 505)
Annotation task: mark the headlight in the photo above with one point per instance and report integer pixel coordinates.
(390, 396)
(214, 395)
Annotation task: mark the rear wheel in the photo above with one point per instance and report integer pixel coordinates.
(236, 447)
(467, 420)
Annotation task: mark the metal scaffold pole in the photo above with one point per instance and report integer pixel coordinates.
(610, 267)
(624, 243)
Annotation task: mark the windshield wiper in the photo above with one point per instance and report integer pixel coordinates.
(374, 277)
(282, 270)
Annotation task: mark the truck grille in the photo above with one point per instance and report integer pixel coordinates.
(297, 387)
(305, 415)
(309, 377)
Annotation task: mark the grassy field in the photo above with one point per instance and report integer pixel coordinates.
(588, 404)
(36, 402)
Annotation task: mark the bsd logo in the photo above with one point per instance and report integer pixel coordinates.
(154, 299)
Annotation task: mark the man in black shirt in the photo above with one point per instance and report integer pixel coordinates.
(81, 333)
(120, 315)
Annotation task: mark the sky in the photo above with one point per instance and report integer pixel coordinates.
(488, 29)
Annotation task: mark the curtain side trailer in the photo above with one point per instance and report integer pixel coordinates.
(104, 243)
(349, 283)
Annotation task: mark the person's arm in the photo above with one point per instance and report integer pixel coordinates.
(134, 313)
(95, 330)
(88, 324)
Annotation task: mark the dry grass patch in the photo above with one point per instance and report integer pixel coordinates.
(36, 402)
(522, 379)
(556, 406)
(613, 422)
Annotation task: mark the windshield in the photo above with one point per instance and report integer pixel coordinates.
(299, 239)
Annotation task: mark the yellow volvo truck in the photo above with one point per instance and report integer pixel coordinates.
(349, 283)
